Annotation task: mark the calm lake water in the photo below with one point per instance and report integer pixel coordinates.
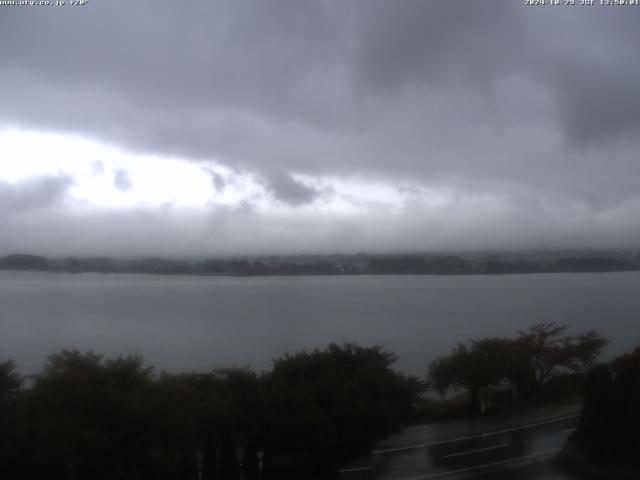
(198, 323)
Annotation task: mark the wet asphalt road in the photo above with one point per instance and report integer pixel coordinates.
(521, 452)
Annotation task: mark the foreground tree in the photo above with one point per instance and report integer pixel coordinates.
(528, 361)
(214, 418)
(481, 364)
(86, 417)
(607, 433)
(543, 351)
(10, 381)
(89, 418)
(328, 406)
(10, 384)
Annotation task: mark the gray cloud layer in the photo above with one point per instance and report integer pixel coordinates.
(288, 190)
(535, 104)
(121, 180)
(33, 194)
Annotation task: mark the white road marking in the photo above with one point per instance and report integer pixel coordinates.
(470, 437)
(523, 460)
(355, 469)
(567, 430)
(469, 452)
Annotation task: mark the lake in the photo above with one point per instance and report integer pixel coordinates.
(197, 323)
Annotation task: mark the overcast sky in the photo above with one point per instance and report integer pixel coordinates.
(303, 126)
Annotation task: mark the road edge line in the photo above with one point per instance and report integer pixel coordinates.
(469, 437)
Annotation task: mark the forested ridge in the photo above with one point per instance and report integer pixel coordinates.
(335, 264)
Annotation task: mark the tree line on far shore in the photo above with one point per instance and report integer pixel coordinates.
(331, 264)
(89, 417)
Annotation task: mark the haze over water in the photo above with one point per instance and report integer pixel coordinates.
(198, 323)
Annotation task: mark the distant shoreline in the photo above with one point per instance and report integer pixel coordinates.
(329, 265)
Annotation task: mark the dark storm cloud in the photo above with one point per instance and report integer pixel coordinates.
(530, 104)
(286, 189)
(417, 42)
(591, 62)
(217, 180)
(121, 180)
(32, 194)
